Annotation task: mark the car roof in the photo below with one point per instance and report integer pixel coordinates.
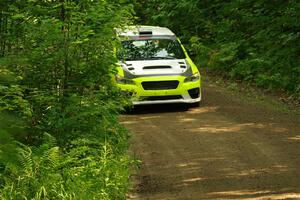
(132, 31)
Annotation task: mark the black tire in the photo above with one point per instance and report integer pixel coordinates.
(195, 105)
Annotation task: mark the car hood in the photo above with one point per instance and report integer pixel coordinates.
(134, 69)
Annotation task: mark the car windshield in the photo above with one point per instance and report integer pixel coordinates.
(150, 49)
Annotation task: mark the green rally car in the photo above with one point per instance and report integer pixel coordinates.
(155, 68)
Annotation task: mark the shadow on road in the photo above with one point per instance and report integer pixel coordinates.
(159, 108)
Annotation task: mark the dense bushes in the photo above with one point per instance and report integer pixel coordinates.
(59, 134)
(254, 41)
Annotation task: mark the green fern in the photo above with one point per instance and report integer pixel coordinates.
(36, 176)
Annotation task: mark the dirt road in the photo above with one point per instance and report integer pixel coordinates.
(225, 149)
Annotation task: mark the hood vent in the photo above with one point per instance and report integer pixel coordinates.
(158, 67)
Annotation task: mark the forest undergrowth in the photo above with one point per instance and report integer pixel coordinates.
(59, 134)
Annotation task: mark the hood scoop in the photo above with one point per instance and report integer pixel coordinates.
(158, 67)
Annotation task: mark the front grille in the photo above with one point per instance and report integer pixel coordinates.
(160, 85)
(156, 98)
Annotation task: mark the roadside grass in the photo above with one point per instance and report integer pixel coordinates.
(267, 98)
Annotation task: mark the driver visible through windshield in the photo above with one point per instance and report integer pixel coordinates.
(150, 49)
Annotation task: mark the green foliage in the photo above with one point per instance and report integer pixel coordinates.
(93, 176)
(33, 172)
(85, 169)
(59, 134)
(254, 41)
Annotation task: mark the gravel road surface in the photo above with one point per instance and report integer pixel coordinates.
(228, 148)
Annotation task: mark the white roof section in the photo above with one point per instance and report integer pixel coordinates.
(132, 31)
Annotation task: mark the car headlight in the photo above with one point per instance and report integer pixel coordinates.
(193, 78)
(122, 80)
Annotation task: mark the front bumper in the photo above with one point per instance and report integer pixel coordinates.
(189, 92)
